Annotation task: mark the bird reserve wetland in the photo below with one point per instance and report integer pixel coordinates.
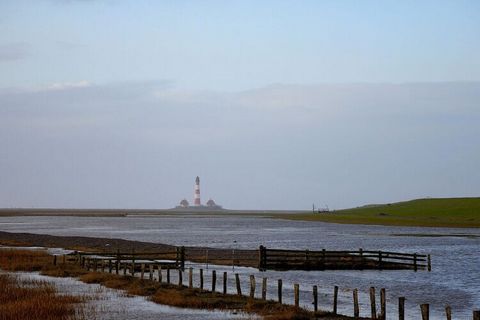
(455, 254)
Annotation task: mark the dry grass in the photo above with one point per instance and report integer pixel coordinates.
(24, 260)
(34, 300)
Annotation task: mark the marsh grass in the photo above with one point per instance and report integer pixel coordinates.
(445, 212)
(32, 300)
(162, 293)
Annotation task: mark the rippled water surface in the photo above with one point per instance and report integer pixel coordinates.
(455, 254)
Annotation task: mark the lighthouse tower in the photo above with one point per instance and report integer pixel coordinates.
(196, 197)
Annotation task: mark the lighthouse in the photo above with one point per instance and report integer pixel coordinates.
(196, 197)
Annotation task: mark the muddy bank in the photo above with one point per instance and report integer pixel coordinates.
(246, 258)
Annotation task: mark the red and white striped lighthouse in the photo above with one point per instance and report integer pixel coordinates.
(196, 197)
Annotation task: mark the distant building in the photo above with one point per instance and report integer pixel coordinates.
(184, 203)
(197, 204)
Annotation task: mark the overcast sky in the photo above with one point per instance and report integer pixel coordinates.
(274, 104)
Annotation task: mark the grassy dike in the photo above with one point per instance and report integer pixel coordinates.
(168, 294)
(444, 212)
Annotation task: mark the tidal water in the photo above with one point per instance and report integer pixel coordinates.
(454, 279)
(107, 304)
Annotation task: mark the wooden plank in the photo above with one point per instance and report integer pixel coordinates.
(335, 299)
(296, 292)
(448, 312)
(252, 286)
(373, 304)
(315, 298)
(401, 308)
(237, 282)
(425, 309)
(476, 315)
(280, 291)
(225, 283)
(264, 289)
(180, 277)
(214, 280)
(383, 304)
(356, 307)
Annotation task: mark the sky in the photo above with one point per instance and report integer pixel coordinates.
(274, 104)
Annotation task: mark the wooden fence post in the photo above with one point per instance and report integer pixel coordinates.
(401, 308)
(448, 312)
(159, 273)
(190, 277)
(180, 277)
(142, 270)
(201, 279)
(280, 291)
(54, 260)
(264, 289)
(225, 282)
(262, 255)
(335, 299)
(102, 265)
(150, 271)
(296, 292)
(110, 266)
(476, 315)
(63, 259)
(429, 263)
(252, 286)
(168, 275)
(95, 265)
(315, 298)
(182, 258)
(214, 280)
(373, 304)
(237, 281)
(415, 262)
(356, 308)
(117, 263)
(383, 304)
(425, 308)
(124, 268)
(379, 259)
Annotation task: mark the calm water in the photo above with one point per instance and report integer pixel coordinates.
(455, 256)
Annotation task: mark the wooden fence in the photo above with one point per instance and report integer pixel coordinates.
(281, 259)
(173, 259)
(163, 276)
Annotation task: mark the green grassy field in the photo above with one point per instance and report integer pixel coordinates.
(445, 212)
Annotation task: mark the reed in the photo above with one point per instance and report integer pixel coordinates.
(34, 300)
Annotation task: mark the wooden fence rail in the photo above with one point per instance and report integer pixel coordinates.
(281, 259)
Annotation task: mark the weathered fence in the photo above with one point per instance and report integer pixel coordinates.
(163, 276)
(282, 259)
(169, 259)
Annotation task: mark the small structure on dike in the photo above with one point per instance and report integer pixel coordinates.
(197, 203)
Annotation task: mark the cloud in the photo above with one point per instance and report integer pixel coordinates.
(67, 85)
(13, 51)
